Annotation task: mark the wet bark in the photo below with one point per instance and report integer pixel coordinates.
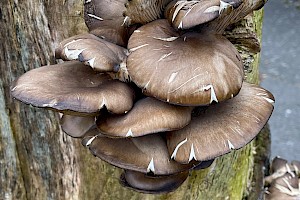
(37, 161)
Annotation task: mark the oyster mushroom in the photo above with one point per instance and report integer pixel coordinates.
(152, 184)
(186, 69)
(187, 14)
(73, 88)
(145, 154)
(222, 127)
(147, 116)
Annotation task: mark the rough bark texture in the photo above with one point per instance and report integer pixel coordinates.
(37, 161)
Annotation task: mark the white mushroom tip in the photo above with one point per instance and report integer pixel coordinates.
(173, 156)
(95, 17)
(192, 154)
(151, 167)
(89, 142)
(129, 133)
(230, 145)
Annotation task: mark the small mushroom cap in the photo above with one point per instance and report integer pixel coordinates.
(279, 164)
(145, 154)
(76, 126)
(95, 52)
(144, 11)
(187, 14)
(152, 184)
(222, 127)
(74, 88)
(188, 69)
(105, 19)
(147, 116)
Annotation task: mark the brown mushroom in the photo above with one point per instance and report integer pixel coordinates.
(76, 126)
(74, 88)
(222, 127)
(186, 69)
(144, 11)
(145, 154)
(105, 19)
(147, 116)
(152, 184)
(95, 52)
(187, 14)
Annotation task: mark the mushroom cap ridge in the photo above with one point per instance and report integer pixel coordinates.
(184, 69)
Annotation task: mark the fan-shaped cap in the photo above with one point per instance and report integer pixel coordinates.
(76, 126)
(144, 11)
(147, 116)
(187, 69)
(95, 52)
(152, 184)
(187, 14)
(105, 19)
(222, 127)
(146, 154)
(72, 87)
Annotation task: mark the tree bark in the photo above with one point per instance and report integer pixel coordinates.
(37, 161)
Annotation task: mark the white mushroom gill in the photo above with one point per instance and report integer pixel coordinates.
(173, 156)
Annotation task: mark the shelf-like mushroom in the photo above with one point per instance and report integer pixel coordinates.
(187, 69)
(222, 127)
(145, 154)
(73, 88)
(152, 184)
(148, 116)
(187, 14)
(101, 55)
(105, 19)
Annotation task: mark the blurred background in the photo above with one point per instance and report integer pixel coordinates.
(280, 74)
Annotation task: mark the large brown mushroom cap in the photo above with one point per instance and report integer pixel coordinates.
(147, 116)
(187, 69)
(105, 19)
(187, 14)
(152, 184)
(145, 154)
(73, 87)
(222, 127)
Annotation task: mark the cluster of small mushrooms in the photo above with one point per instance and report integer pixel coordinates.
(284, 180)
(153, 88)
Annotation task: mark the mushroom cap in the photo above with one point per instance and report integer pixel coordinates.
(76, 126)
(144, 11)
(279, 164)
(104, 18)
(187, 14)
(222, 127)
(73, 88)
(145, 154)
(187, 69)
(152, 184)
(147, 116)
(95, 52)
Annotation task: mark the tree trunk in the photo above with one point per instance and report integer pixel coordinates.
(37, 161)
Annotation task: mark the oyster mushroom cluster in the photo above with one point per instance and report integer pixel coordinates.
(153, 88)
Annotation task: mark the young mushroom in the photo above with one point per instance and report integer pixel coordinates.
(222, 127)
(186, 68)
